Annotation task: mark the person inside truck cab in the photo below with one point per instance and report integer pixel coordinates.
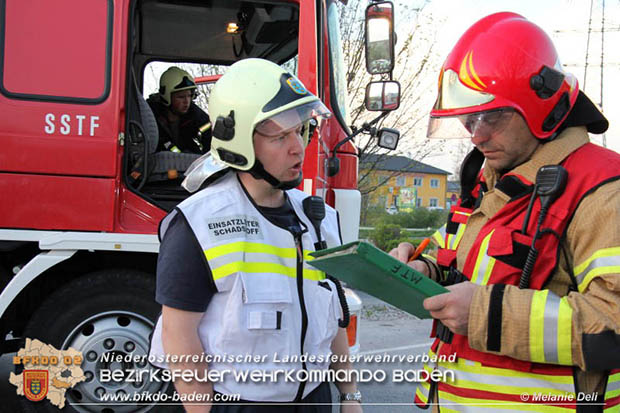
(232, 272)
(183, 126)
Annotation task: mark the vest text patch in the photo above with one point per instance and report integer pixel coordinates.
(234, 227)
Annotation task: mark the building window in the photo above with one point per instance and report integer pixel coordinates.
(434, 183)
(417, 181)
(418, 202)
(383, 179)
(400, 181)
(433, 202)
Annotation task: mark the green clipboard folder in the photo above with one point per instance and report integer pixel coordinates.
(365, 267)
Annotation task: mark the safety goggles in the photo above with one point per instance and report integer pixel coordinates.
(485, 123)
(291, 119)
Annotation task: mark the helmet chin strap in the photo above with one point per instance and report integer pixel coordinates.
(259, 172)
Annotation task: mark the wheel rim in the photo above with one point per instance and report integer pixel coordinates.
(107, 335)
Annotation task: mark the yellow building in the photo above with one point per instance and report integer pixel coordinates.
(402, 183)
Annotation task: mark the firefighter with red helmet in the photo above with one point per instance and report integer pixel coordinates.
(531, 252)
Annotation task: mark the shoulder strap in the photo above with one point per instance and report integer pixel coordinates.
(470, 169)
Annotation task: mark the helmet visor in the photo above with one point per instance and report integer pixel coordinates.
(283, 122)
(453, 94)
(484, 123)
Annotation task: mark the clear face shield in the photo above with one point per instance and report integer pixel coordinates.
(457, 92)
(305, 118)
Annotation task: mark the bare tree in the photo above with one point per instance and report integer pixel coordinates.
(416, 69)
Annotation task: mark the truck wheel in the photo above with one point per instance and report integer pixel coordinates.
(110, 312)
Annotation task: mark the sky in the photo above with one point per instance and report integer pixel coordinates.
(566, 22)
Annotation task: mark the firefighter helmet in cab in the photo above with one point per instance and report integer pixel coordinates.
(503, 63)
(174, 80)
(257, 95)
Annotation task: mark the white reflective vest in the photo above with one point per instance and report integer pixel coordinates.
(272, 312)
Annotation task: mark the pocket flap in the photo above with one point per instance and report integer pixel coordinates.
(501, 242)
(265, 288)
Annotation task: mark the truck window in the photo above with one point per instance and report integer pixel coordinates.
(49, 53)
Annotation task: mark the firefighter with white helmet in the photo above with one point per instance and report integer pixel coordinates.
(531, 252)
(183, 126)
(267, 108)
(232, 274)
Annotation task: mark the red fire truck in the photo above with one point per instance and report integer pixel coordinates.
(78, 243)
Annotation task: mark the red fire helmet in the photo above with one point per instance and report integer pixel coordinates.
(504, 61)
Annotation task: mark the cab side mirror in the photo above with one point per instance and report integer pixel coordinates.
(384, 95)
(380, 38)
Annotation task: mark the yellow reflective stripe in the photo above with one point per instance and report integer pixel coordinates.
(252, 267)
(472, 375)
(251, 247)
(475, 403)
(315, 275)
(307, 256)
(312, 273)
(459, 235)
(481, 256)
(537, 326)
(264, 268)
(259, 267)
(439, 235)
(449, 241)
(603, 261)
(613, 386)
(422, 391)
(505, 388)
(551, 319)
(611, 394)
(490, 263)
(475, 367)
(565, 333)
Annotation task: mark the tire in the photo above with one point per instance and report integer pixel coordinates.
(111, 311)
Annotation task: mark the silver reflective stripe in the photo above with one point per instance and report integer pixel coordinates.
(482, 269)
(550, 331)
(442, 231)
(457, 236)
(597, 263)
(482, 263)
(614, 383)
(423, 391)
